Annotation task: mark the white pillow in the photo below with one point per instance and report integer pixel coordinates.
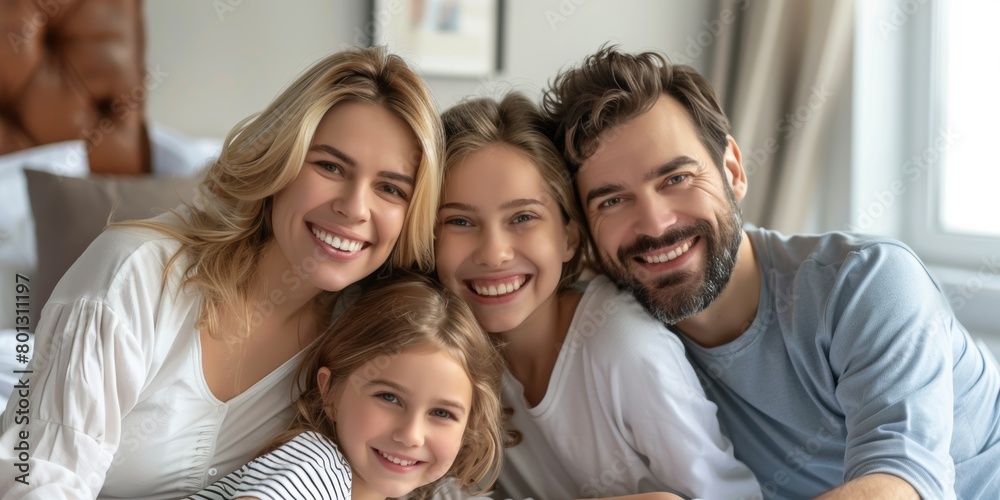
(17, 228)
(177, 155)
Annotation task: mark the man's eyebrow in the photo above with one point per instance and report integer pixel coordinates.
(669, 166)
(344, 157)
(602, 191)
(655, 173)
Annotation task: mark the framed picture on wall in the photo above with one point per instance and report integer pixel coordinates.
(449, 38)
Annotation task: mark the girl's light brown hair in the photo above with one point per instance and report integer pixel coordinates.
(403, 313)
(611, 87)
(226, 233)
(515, 121)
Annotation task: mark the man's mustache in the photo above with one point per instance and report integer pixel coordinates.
(644, 244)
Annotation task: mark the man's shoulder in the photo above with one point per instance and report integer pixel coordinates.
(832, 249)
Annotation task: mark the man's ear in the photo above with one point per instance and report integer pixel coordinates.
(732, 166)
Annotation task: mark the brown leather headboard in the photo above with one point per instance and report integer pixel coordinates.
(74, 69)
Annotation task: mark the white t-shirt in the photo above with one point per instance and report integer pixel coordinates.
(118, 404)
(624, 413)
(308, 467)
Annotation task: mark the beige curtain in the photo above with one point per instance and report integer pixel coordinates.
(782, 69)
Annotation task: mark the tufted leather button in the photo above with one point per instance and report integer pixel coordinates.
(65, 62)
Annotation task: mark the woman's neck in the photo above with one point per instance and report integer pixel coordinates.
(533, 346)
(278, 291)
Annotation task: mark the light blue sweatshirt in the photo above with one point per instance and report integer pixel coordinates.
(855, 364)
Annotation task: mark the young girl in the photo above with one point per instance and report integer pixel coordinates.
(602, 393)
(401, 392)
(164, 358)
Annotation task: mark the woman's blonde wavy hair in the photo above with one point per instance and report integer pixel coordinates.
(226, 233)
(413, 312)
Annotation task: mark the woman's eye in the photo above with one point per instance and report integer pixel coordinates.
(330, 167)
(393, 190)
(387, 397)
(522, 218)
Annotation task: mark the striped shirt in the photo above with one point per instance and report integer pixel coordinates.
(308, 467)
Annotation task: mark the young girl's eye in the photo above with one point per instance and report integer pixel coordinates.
(522, 218)
(443, 414)
(388, 397)
(458, 221)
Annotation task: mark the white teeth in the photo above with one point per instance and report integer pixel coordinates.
(397, 461)
(671, 255)
(501, 289)
(337, 242)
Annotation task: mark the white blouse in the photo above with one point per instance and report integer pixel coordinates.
(118, 404)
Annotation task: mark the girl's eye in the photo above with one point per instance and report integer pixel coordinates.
(522, 218)
(610, 202)
(458, 221)
(443, 414)
(388, 397)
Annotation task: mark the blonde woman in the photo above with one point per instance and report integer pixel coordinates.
(165, 357)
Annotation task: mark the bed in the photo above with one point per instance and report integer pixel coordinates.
(76, 148)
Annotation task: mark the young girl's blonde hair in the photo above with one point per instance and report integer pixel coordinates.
(226, 234)
(476, 124)
(403, 313)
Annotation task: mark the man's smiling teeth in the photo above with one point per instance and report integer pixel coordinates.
(499, 289)
(671, 255)
(395, 460)
(336, 241)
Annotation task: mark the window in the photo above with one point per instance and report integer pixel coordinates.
(926, 138)
(956, 210)
(970, 78)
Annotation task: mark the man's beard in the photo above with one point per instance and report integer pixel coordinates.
(668, 298)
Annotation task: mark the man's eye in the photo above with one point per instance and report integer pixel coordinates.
(610, 202)
(677, 179)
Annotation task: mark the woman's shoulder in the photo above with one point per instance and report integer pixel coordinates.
(136, 254)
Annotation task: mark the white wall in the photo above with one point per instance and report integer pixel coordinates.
(226, 59)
